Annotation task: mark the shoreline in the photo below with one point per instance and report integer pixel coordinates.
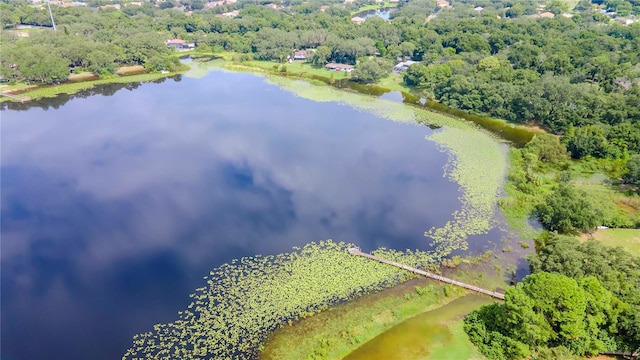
(74, 86)
(518, 134)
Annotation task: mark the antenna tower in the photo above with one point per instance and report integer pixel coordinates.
(51, 14)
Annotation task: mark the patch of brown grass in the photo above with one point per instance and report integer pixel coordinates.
(126, 70)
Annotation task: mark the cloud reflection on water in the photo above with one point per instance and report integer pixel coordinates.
(114, 207)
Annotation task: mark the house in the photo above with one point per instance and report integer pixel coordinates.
(478, 8)
(444, 4)
(403, 66)
(231, 14)
(272, 5)
(110, 6)
(300, 55)
(323, 8)
(339, 67)
(179, 44)
(357, 19)
(547, 15)
(624, 21)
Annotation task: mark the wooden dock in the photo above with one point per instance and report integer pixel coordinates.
(497, 295)
(15, 97)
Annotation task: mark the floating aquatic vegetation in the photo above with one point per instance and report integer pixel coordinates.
(387, 109)
(478, 164)
(477, 160)
(245, 300)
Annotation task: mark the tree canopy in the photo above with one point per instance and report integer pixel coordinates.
(547, 310)
(568, 210)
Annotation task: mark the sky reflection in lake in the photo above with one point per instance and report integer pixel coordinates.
(114, 207)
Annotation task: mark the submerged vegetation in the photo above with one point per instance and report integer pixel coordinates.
(247, 299)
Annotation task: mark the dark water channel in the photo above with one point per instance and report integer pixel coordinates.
(116, 202)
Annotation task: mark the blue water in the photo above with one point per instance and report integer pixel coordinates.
(114, 207)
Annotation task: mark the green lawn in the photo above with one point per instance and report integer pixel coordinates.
(297, 67)
(395, 82)
(626, 238)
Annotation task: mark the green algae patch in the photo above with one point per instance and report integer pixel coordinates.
(436, 334)
(245, 300)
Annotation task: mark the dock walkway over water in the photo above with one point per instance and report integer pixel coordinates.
(497, 295)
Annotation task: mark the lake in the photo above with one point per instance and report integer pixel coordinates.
(115, 202)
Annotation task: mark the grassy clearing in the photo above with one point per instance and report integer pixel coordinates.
(395, 82)
(629, 239)
(302, 69)
(126, 70)
(83, 76)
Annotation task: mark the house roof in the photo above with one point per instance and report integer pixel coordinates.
(336, 65)
(548, 15)
(357, 19)
(176, 41)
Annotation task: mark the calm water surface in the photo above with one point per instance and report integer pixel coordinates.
(114, 207)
